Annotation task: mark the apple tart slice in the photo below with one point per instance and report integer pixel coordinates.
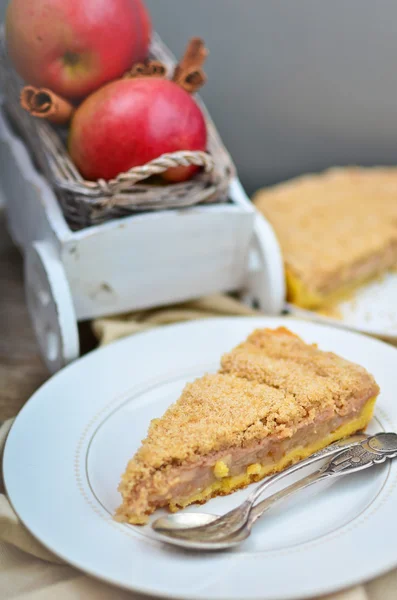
(337, 231)
(275, 401)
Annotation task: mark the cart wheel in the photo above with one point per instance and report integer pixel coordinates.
(50, 306)
(265, 285)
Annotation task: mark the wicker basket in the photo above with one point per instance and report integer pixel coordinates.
(86, 203)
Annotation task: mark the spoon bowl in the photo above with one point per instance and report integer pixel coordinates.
(168, 529)
(182, 521)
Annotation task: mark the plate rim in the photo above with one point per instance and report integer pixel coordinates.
(267, 321)
(299, 313)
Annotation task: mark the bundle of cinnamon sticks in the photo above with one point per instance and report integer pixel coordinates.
(188, 74)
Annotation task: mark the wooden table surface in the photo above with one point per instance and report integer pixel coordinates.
(21, 368)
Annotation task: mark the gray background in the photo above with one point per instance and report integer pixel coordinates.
(294, 85)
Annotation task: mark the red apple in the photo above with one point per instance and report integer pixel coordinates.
(74, 46)
(132, 121)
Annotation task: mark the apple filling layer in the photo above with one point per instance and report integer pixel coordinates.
(276, 401)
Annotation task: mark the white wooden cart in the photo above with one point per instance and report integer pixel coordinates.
(132, 263)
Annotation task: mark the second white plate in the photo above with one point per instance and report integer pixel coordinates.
(372, 310)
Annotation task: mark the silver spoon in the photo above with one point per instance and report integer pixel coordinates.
(214, 533)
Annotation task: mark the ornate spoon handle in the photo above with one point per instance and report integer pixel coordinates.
(374, 450)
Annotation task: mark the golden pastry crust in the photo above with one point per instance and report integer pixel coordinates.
(269, 386)
(335, 227)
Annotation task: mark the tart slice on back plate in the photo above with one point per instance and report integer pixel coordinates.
(275, 401)
(337, 231)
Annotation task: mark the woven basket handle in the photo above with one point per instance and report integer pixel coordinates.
(183, 158)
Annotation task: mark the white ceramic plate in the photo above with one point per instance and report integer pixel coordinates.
(372, 309)
(71, 442)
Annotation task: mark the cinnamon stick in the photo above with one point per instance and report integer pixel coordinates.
(45, 104)
(188, 72)
(138, 70)
(155, 68)
(152, 68)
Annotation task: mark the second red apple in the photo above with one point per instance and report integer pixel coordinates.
(132, 121)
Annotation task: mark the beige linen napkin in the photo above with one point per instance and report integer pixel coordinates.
(30, 572)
